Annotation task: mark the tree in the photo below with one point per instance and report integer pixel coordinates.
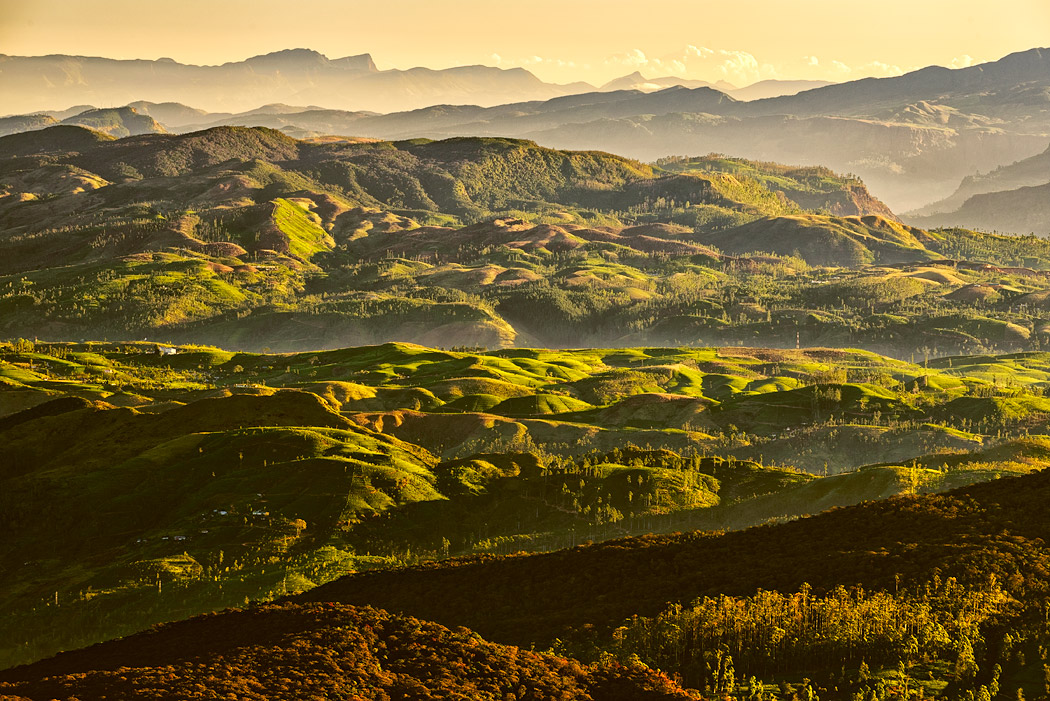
(965, 664)
(23, 345)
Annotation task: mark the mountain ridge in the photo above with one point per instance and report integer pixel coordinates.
(42, 81)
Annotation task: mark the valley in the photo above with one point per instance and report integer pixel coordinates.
(327, 380)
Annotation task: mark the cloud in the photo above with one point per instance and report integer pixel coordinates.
(533, 61)
(697, 62)
(961, 61)
(879, 69)
(837, 70)
(841, 68)
(694, 62)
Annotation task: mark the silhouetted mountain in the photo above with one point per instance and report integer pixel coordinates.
(297, 75)
(637, 81)
(1025, 210)
(1001, 79)
(173, 114)
(1026, 173)
(775, 88)
(71, 111)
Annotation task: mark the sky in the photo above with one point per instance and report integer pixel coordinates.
(740, 41)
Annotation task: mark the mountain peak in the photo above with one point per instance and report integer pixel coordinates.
(622, 82)
(360, 62)
(290, 57)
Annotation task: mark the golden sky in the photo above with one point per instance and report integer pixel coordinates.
(559, 40)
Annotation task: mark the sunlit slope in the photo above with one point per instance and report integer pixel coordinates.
(248, 238)
(206, 477)
(969, 534)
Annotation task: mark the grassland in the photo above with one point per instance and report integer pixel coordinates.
(361, 356)
(205, 478)
(249, 239)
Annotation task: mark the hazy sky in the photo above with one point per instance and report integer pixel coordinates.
(559, 40)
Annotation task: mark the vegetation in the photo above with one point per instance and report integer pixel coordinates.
(328, 651)
(807, 439)
(202, 478)
(915, 596)
(250, 239)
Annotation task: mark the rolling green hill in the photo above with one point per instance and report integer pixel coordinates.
(968, 534)
(706, 428)
(204, 478)
(828, 241)
(811, 188)
(250, 239)
(942, 594)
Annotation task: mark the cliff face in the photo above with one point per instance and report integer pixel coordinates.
(855, 200)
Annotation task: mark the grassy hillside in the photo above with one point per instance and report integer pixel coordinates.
(250, 239)
(940, 595)
(809, 188)
(828, 241)
(205, 478)
(968, 534)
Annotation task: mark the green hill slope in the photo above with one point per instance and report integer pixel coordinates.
(821, 240)
(970, 534)
(203, 478)
(248, 238)
(812, 188)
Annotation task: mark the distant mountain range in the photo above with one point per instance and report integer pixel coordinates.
(912, 138)
(756, 91)
(33, 83)
(41, 83)
(1013, 198)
